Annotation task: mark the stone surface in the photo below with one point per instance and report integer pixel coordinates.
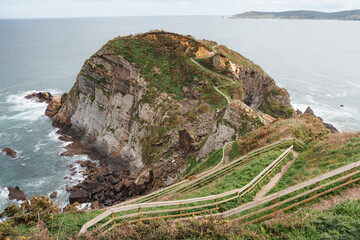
(54, 106)
(9, 152)
(327, 125)
(310, 111)
(105, 113)
(16, 194)
(40, 96)
(79, 196)
(53, 194)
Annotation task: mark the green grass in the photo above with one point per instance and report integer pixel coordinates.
(322, 156)
(275, 108)
(213, 159)
(237, 178)
(163, 63)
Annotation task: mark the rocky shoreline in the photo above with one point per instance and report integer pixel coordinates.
(102, 185)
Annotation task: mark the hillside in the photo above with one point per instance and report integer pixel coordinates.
(351, 15)
(154, 104)
(185, 129)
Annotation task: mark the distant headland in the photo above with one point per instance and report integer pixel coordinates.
(352, 15)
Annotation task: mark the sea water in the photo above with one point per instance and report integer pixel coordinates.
(316, 61)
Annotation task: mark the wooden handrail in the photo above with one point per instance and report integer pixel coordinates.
(291, 189)
(185, 201)
(203, 175)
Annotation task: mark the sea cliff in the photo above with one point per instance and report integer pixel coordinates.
(155, 104)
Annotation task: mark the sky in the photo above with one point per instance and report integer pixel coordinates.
(103, 8)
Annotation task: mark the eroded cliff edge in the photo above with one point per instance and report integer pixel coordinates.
(144, 106)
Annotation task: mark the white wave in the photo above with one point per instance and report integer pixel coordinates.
(354, 84)
(27, 109)
(4, 195)
(54, 136)
(38, 146)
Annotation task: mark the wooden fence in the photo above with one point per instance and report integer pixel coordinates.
(218, 171)
(295, 195)
(117, 216)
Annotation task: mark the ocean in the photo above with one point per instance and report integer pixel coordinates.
(316, 61)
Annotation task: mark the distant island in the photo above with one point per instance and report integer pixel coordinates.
(352, 15)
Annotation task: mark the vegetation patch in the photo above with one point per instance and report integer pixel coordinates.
(272, 107)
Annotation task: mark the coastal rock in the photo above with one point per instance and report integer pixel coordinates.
(16, 194)
(309, 111)
(79, 196)
(327, 125)
(54, 106)
(144, 118)
(53, 194)
(40, 97)
(9, 152)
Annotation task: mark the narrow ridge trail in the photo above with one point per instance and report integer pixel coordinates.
(274, 180)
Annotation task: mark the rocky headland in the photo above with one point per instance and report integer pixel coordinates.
(146, 110)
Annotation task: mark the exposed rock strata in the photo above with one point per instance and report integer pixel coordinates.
(145, 141)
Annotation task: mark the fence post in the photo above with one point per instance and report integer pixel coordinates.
(276, 200)
(217, 205)
(351, 171)
(180, 210)
(140, 215)
(316, 185)
(113, 216)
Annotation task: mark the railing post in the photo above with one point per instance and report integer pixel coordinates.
(276, 200)
(351, 171)
(217, 205)
(140, 215)
(315, 186)
(113, 217)
(180, 210)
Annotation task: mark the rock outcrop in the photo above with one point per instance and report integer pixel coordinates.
(54, 106)
(16, 194)
(146, 110)
(40, 96)
(327, 125)
(9, 152)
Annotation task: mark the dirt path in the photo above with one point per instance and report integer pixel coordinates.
(273, 181)
(212, 72)
(227, 98)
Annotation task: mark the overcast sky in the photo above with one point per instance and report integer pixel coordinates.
(98, 8)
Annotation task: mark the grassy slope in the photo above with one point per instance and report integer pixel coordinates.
(339, 222)
(322, 156)
(305, 128)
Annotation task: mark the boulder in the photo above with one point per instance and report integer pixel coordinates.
(219, 62)
(40, 97)
(186, 140)
(9, 152)
(16, 194)
(79, 196)
(53, 194)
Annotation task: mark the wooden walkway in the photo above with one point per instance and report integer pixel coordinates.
(180, 208)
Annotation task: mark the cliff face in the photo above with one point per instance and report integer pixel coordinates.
(101, 107)
(141, 103)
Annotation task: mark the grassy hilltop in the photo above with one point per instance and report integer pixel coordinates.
(352, 15)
